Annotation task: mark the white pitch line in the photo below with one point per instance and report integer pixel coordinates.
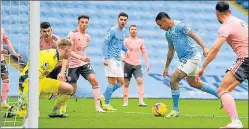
(187, 115)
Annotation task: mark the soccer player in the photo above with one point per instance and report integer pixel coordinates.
(132, 65)
(182, 40)
(79, 63)
(235, 32)
(113, 43)
(47, 39)
(4, 68)
(48, 60)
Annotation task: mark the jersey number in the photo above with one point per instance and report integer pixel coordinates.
(89, 67)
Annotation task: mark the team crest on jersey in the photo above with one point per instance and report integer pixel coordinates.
(45, 66)
(108, 34)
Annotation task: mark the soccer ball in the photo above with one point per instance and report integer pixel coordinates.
(159, 110)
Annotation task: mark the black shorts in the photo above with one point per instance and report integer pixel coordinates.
(53, 74)
(4, 68)
(136, 70)
(84, 71)
(240, 69)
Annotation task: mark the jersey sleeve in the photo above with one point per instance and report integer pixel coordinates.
(224, 31)
(108, 38)
(183, 28)
(70, 36)
(43, 64)
(55, 39)
(89, 38)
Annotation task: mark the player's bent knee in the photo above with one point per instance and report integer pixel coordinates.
(194, 84)
(121, 81)
(112, 80)
(93, 81)
(65, 88)
(126, 84)
(172, 81)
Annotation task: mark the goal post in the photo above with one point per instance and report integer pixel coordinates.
(34, 48)
(17, 15)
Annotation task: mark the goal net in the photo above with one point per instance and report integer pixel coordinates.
(20, 21)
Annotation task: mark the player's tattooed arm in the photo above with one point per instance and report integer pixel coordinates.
(198, 40)
(196, 37)
(170, 56)
(175, 78)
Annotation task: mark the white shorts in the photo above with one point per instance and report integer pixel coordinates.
(191, 66)
(114, 68)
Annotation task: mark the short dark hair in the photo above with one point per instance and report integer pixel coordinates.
(162, 15)
(222, 6)
(83, 16)
(45, 25)
(133, 26)
(123, 14)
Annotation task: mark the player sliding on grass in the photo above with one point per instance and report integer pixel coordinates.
(79, 63)
(235, 32)
(112, 58)
(179, 38)
(132, 65)
(4, 68)
(48, 61)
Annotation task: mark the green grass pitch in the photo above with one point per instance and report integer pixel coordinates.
(194, 114)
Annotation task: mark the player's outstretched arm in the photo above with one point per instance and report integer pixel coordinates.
(12, 50)
(214, 51)
(211, 55)
(198, 40)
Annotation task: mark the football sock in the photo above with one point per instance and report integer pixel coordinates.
(229, 105)
(96, 95)
(108, 94)
(141, 92)
(206, 88)
(116, 86)
(125, 94)
(175, 97)
(5, 91)
(61, 100)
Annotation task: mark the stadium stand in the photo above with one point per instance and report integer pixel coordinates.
(63, 17)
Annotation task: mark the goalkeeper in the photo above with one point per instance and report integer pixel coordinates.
(48, 61)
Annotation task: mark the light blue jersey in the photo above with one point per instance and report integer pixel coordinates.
(177, 36)
(113, 43)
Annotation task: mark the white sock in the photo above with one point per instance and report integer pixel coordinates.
(236, 120)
